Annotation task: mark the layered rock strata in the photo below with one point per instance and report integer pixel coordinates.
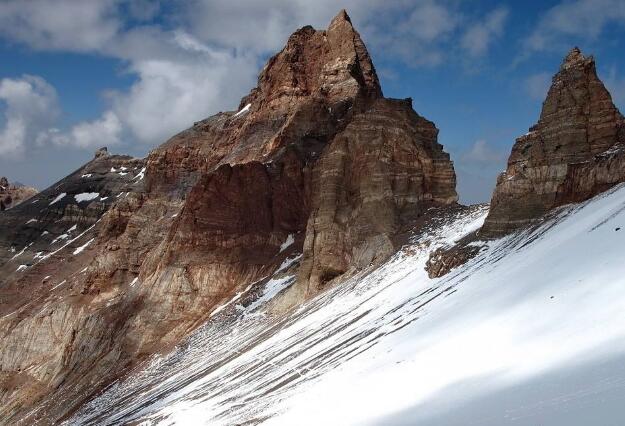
(575, 151)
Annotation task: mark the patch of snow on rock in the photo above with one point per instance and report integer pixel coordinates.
(86, 196)
(140, 175)
(58, 198)
(244, 110)
(287, 243)
(81, 248)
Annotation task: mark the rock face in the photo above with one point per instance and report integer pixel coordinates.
(13, 194)
(575, 151)
(315, 162)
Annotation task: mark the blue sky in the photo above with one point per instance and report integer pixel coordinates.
(80, 74)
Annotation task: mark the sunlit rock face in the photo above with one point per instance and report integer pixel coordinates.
(315, 162)
(575, 151)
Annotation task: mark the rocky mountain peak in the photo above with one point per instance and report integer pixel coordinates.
(573, 58)
(332, 64)
(574, 151)
(340, 17)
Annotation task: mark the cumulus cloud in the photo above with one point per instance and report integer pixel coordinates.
(583, 19)
(479, 36)
(537, 85)
(30, 107)
(81, 26)
(171, 94)
(104, 131)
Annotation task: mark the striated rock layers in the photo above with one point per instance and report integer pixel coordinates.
(575, 151)
(13, 194)
(315, 156)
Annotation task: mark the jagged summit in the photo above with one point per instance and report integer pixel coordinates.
(573, 58)
(572, 153)
(12, 194)
(341, 16)
(333, 64)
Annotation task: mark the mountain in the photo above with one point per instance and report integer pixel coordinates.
(127, 256)
(528, 332)
(304, 260)
(575, 151)
(12, 194)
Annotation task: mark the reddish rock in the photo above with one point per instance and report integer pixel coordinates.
(314, 153)
(575, 151)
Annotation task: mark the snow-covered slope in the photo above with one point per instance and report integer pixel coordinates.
(531, 331)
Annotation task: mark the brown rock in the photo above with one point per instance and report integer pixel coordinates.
(378, 175)
(444, 259)
(13, 194)
(575, 151)
(314, 152)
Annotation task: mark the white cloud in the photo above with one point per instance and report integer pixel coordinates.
(206, 56)
(171, 94)
(82, 25)
(479, 36)
(584, 19)
(481, 153)
(31, 105)
(537, 85)
(105, 131)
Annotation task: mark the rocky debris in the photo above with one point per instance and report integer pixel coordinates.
(444, 259)
(575, 151)
(13, 194)
(315, 156)
(102, 152)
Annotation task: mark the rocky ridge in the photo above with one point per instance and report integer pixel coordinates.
(316, 170)
(575, 151)
(12, 194)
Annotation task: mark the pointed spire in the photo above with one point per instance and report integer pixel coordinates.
(341, 16)
(574, 57)
(342, 19)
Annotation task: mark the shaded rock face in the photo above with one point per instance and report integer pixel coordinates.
(376, 177)
(315, 155)
(444, 259)
(13, 194)
(575, 151)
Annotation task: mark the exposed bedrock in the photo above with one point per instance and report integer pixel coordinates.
(575, 151)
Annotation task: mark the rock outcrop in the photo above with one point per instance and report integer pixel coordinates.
(575, 151)
(12, 194)
(315, 162)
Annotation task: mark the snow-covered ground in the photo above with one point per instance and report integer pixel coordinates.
(529, 332)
